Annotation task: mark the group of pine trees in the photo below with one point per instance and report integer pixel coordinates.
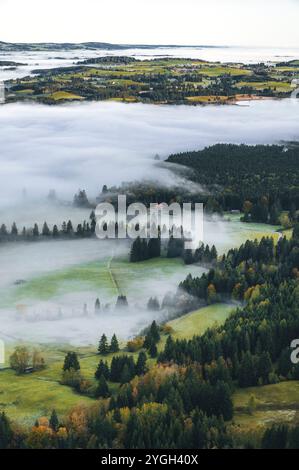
(239, 174)
(66, 231)
(151, 339)
(255, 340)
(122, 370)
(143, 249)
(105, 348)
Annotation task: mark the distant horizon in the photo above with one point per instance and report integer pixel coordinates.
(149, 44)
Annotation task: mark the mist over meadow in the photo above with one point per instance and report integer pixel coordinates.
(86, 146)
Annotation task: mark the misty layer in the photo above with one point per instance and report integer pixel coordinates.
(88, 145)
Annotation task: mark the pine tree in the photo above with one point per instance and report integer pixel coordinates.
(35, 231)
(141, 363)
(97, 307)
(135, 254)
(153, 304)
(55, 232)
(153, 350)
(54, 423)
(69, 228)
(102, 389)
(154, 248)
(114, 346)
(45, 230)
(14, 230)
(153, 336)
(6, 433)
(103, 345)
(102, 369)
(71, 362)
(125, 376)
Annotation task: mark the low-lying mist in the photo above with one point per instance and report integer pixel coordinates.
(66, 312)
(87, 145)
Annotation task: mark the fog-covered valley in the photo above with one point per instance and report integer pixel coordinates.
(87, 145)
(45, 285)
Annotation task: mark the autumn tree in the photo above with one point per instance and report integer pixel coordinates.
(19, 360)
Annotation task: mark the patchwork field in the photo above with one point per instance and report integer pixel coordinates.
(168, 80)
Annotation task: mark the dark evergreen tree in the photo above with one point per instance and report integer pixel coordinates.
(114, 346)
(141, 363)
(71, 362)
(102, 369)
(54, 422)
(102, 389)
(103, 345)
(97, 307)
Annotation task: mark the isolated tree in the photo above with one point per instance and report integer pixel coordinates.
(19, 360)
(103, 345)
(97, 307)
(114, 346)
(71, 362)
(54, 422)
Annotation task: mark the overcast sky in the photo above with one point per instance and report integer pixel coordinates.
(196, 22)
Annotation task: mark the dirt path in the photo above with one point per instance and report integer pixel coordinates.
(112, 276)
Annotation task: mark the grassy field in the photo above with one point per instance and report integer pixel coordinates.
(25, 398)
(273, 404)
(272, 85)
(208, 99)
(64, 95)
(96, 277)
(196, 323)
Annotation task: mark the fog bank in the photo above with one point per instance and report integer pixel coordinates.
(88, 145)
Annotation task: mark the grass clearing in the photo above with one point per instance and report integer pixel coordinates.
(277, 403)
(272, 85)
(208, 99)
(196, 323)
(64, 95)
